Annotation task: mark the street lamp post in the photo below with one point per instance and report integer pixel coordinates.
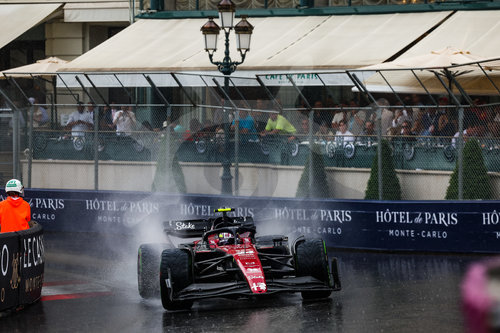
(243, 32)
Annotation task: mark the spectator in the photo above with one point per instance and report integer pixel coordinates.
(324, 133)
(406, 128)
(246, 127)
(475, 128)
(356, 120)
(79, 121)
(40, 115)
(193, 132)
(303, 131)
(417, 105)
(102, 119)
(430, 121)
(368, 133)
(337, 117)
(91, 108)
(329, 103)
(369, 128)
(259, 117)
(174, 128)
(109, 115)
(301, 105)
(343, 136)
(277, 124)
(386, 120)
(404, 134)
(15, 213)
(393, 131)
(478, 110)
(125, 121)
(445, 125)
(386, 115)
(400, 115)
(417, 127)
(319, 114)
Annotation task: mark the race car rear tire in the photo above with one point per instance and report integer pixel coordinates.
(175, 266)
(148, 269)
(311, 259)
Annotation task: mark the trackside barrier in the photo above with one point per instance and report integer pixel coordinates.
(446, 226)
(21, 267)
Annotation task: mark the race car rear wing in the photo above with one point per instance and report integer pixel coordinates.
(187, 228)
(197, 227)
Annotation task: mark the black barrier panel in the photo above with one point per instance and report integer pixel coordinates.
(9, 263)
(22, 267)
(449, 226)
(31, 264)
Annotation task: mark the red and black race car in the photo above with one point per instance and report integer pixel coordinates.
(231, 261)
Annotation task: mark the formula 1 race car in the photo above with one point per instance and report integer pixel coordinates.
(230, 261)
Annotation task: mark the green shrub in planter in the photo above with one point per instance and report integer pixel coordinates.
(320, 187)
(169, 176)
(391, 189)
(476, 182)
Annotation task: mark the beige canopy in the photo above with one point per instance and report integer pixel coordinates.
(425, 67)
(278, 43)
(16, 19)
(44, 68)
(448, 56)
(476, 31)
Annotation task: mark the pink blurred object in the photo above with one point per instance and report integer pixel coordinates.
(478, 303)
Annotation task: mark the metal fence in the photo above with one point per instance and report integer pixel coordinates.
(160, 123)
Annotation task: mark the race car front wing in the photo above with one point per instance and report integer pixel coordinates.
(242, 289)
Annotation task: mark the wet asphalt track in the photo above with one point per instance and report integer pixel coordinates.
(382, 292)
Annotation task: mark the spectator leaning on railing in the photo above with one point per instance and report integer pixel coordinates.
(277, 124)
(79, 121)
(246, 126)
(15, 213)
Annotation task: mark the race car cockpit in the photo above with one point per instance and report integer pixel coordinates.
(228, 230)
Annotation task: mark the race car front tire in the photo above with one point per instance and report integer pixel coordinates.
(311, 259)
(175, 275)
(148, 269)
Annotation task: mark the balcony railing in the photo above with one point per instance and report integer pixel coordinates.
(409, 152)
